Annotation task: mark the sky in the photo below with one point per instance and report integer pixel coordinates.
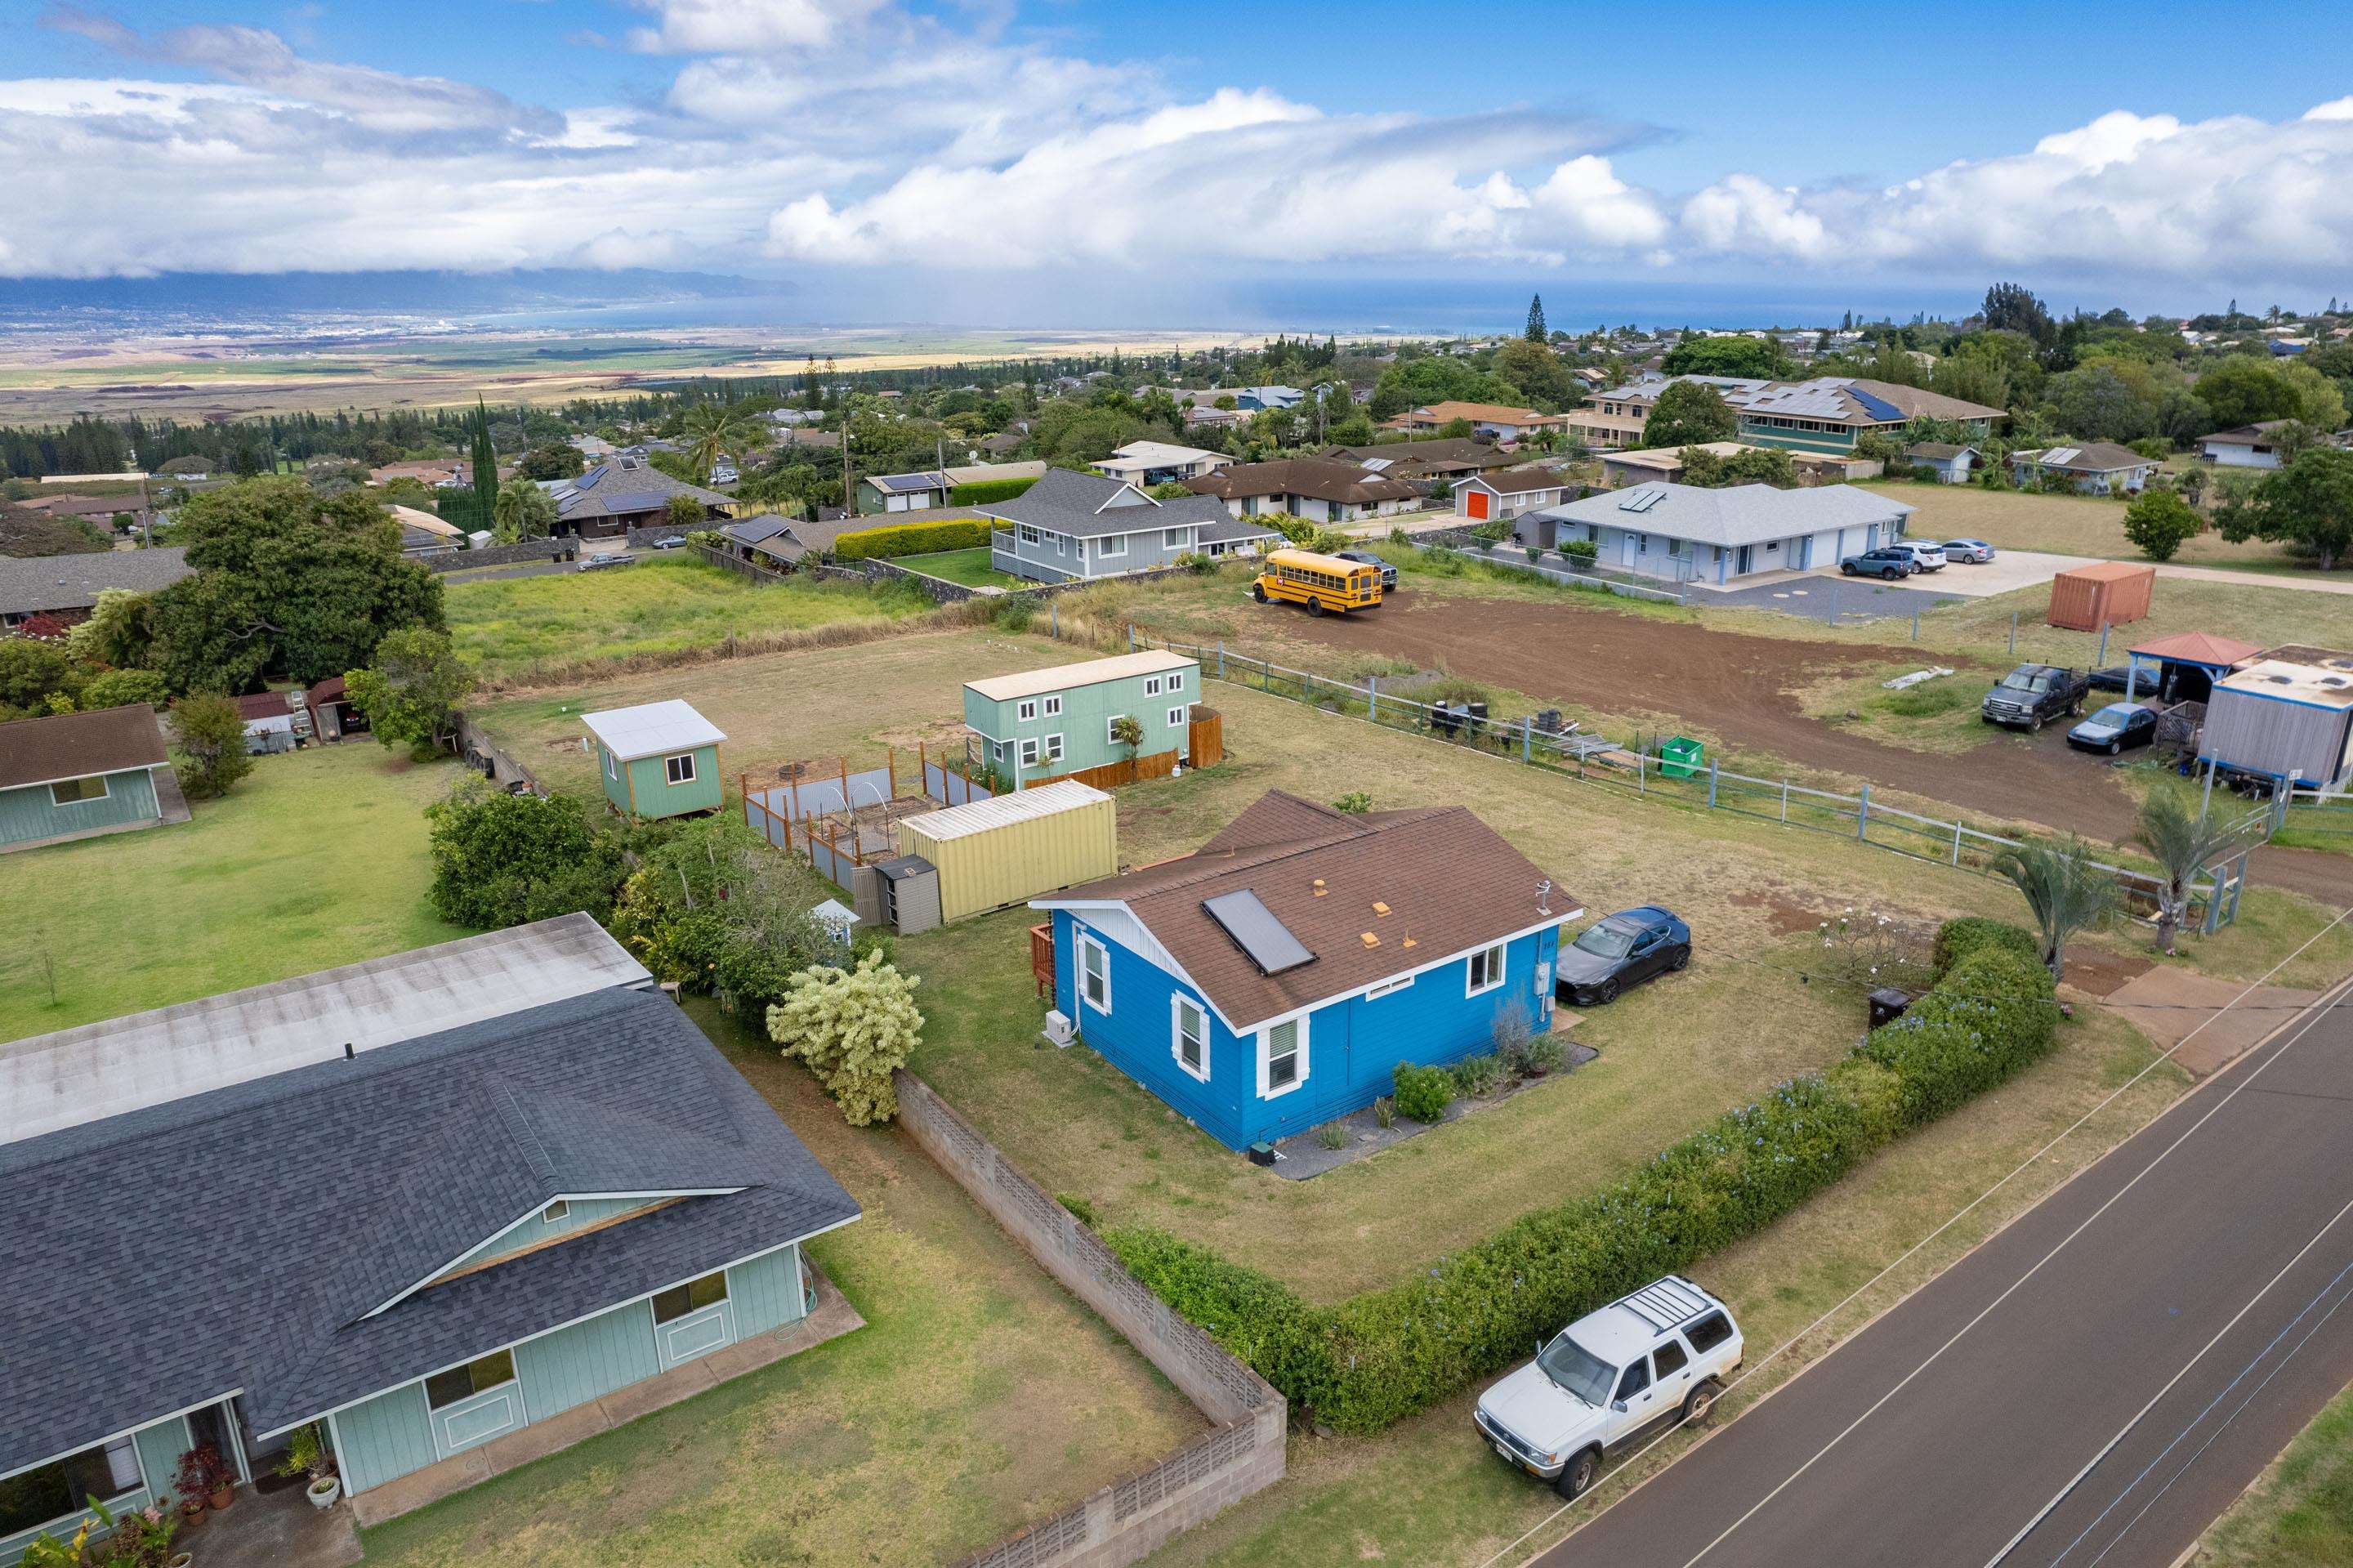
(1120, 162)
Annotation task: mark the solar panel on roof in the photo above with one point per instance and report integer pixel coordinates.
(1640, 500)
(588, 481)
(1877, 408)
(2061, 454)
(1255, 930)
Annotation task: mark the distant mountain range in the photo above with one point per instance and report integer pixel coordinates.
(426, 292)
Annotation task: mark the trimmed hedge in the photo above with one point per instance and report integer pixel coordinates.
(912, 539)
(1371, 1361)
(981, 490)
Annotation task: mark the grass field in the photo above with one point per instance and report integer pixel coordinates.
(2299, 1514)
(978, 1398)
(969, 568)
(2061, 526)
(665, 601)
(317, 858)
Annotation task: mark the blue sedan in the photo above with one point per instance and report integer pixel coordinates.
(1620, 950)
(2115, 728)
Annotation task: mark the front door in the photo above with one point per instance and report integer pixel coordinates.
(1742, 569)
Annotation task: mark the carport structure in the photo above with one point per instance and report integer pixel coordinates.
(2187, 664)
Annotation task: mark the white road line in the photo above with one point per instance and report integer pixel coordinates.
(2015, 1285)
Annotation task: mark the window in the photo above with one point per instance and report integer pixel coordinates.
(478, 1376)
(1054, 747)
(1189, 1031)
(612, 766)
(1637, 1379)
(1151, 686)
(1709, 1332)
(1283, 1064)
(1176, 680)
(1026, 710)
(692, 1297)
(1111, 544)
(1670, 1359)
(1028, 754)
(66, 791)
(1172, 539)
(1176, 718)
(1054, 705)
(678, 769)
(1094, 973)
(1111, 733)
(1029, 536)
(53, 1491)
(554, 1212)
(1403, 982)
(1486, 970)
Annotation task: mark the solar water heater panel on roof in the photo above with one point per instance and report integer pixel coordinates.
(1254, 928)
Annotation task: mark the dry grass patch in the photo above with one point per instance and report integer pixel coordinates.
(2060, 525)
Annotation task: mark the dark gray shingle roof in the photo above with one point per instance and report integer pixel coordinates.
(1067, 502)
(237, 1238)
(72, 582)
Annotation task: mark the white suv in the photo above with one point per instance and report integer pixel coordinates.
(1649, 1358)
(1927, 555)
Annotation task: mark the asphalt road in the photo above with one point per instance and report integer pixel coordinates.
(2094, 1385)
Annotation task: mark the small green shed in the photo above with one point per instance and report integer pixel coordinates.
(657, 759)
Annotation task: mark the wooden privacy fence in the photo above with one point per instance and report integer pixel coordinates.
(1637, 768)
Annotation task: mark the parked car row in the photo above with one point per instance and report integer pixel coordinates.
(1907, 557)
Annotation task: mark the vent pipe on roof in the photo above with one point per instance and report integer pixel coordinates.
(349, 1054)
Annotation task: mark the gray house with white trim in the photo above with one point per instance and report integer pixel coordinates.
(1690, 533)
(1071, 526)
(422, 1202)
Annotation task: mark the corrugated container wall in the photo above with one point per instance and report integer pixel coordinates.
(2111, 593)
(1018, 859)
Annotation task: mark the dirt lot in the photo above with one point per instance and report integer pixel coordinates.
(1743, 687)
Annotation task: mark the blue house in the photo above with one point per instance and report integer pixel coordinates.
(423, 1205)
(1278, 976)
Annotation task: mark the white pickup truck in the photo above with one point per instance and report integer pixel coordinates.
(1655, 1357)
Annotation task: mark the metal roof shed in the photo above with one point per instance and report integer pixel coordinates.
(2283, 718)
(657, 759)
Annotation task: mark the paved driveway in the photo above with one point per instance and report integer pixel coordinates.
(1826, 597)
(2091, 1386)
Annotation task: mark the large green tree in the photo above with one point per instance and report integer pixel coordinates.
(1689, 414)
(2309, 503)
(500, 860)
(411, 695)
(1753, 357)
(524, 511)
(2244, 390)
(286, 584)
(1539, 373)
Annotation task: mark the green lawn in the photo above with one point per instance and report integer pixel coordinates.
(978, 1398)
(969, 568)
(317, 858)
(514, 626)
(2300, 1513)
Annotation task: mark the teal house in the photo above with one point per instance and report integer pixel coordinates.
(1041, 725)
(450, 1209)
(657, 759)
(74, 776)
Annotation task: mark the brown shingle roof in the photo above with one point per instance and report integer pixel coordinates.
(1313, 477)
(76, 746)
(1451, 884)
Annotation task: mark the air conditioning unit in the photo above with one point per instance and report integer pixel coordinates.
(1059, 1033)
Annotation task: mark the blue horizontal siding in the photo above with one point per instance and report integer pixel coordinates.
(1354, 1046)
(31, 813)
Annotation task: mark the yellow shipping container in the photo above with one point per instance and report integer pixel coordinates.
(991, 853)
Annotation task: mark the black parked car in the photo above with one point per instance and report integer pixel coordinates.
(1889, 561)
(1366, 559)
(1620, 950)
(2115, 728)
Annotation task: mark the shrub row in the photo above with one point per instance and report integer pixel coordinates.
(1381, 1356)
(911, 538)
(981, 490)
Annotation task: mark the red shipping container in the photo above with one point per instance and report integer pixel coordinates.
(2109, 593)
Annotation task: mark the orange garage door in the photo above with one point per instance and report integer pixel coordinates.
(1476, 502)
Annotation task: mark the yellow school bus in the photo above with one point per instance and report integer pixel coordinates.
(1320, 582)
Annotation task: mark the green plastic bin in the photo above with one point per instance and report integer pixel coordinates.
(1682, 758)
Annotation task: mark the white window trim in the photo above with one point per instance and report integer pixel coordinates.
(1177, 1002)
(1053, 707)
(1111, 544)
(1503, 952)
(555, 1211)
(1028, 754)
(1054, 746)
(1172, 539)
(1109, 737)
(105, 791)
(1176, 680)
(1151, 686)
(1086, 940)
(612, 767)
(1265, 1043)
(670, 776)
(1176, 718)
(1403, 982)
(1026, 709)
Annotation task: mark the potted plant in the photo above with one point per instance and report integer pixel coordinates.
(205, 1478)
(143, 1540)
(307, 1455)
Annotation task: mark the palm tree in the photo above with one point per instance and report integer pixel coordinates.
(2063, 890)
(2184, 842)
(715, 429)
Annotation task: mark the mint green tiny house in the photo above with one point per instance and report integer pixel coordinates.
(1042, 725)
(658, 760)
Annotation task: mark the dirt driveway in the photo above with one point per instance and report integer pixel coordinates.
(1740, 685)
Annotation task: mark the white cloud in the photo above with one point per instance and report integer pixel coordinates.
(861, 133)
